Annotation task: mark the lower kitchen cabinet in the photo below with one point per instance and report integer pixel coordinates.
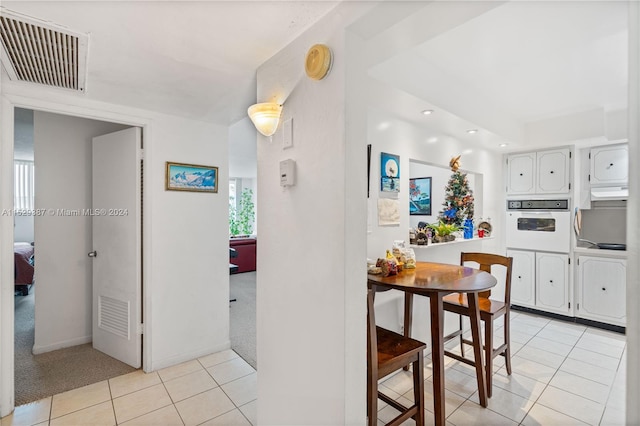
(602, 289)
(540, 280)
(523, 278)
(552, 282)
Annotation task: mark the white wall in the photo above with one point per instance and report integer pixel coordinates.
(408, 141)
(633, 222)
(243, 162)
(189, 271)
(243, 149)
(309, 237)
(185, 260)
(63, 269)
(23, 229)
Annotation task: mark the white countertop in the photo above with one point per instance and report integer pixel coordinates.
(456, 241)
(600, 252)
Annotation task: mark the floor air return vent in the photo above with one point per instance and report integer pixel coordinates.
(39, 52)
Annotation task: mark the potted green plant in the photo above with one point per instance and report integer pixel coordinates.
(443, 232)
(241, 220)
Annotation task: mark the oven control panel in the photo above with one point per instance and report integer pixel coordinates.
(538, 204)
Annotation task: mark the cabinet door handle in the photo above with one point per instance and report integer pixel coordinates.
(519, 277)
(520, 174)
(551, 171)
(604, 289)
(551, 281)
(610, 165)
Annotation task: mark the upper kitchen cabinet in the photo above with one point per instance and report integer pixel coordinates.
(542, 172)
(609, 165)
(521, 169)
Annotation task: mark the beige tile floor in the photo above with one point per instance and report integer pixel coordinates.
(563, 374)
(218, 389)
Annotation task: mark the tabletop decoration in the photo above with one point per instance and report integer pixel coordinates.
(387, 266)
(443, 232)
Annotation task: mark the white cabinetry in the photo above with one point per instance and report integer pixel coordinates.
(540, 280)
(602, 289)
(609, 165)
(521, 173)
(553, 171)
(552, 282)
(523, 278)
(542, 172)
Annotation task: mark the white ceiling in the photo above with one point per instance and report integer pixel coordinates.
(511, 69)
(192, 59)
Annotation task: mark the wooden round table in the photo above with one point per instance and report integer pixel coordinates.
(436, 280)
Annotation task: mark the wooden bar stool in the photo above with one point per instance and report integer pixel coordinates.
(388, 352)
(489, 311)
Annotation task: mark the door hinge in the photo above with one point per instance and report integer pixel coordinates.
(578, 307)
(569, 154)
(140, 328)
(569, 305)
(578, 261)
(589, 178)
(569, 185)
(569, 260)
(589, 156)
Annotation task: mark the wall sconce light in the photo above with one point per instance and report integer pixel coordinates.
(266, 117)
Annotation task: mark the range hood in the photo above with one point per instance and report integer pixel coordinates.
(609, 193)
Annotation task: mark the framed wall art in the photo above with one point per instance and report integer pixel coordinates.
(191, 177)
(389, 172)
(420, 196)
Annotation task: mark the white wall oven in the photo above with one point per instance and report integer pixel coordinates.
(542, 225)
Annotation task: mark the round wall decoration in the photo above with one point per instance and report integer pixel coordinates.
(318, 61)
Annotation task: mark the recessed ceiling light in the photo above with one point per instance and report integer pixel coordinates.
(384, 125)
(472, 131)
(467, 151)
(502, 145)
(432, 139)
(427, 112)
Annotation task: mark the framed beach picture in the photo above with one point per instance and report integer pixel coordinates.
(191, 177)
(420, 196)
(389, 172)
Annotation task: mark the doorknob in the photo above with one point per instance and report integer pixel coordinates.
(92, 254)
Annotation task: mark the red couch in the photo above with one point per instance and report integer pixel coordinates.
(246, 253)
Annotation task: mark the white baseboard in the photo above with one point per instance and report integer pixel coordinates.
(183, 357)
(61, 345)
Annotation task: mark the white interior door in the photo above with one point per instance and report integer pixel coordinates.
(117, 245)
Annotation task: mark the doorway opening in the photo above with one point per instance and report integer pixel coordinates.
(243, 239)
(55, 318)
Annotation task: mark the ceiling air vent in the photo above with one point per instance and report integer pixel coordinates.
(43, 53)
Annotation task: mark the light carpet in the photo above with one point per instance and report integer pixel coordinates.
(242, 316)
(40, 376)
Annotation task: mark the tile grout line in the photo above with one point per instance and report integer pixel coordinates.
(171, 399)
(225, 393)
(51, 410)
(113, 407)
(548, 384)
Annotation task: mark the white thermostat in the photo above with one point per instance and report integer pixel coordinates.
(287, 173)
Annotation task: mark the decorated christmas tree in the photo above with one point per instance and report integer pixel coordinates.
(458, 201)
